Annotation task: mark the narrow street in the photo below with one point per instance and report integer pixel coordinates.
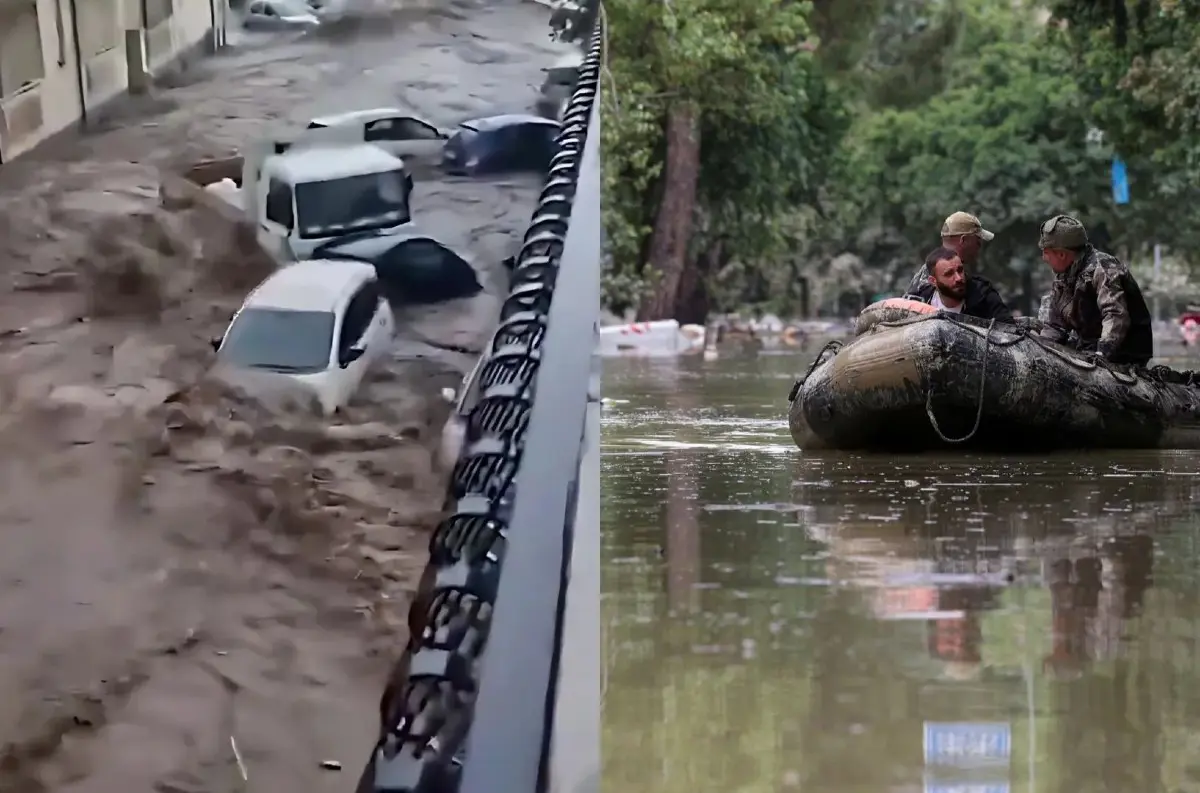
(205, 595)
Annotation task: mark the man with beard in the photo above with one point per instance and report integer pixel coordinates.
(947, 287)
(962, 233)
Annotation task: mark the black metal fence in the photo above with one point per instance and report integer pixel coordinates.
(474, 711)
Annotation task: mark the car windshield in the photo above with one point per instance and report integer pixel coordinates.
(353, 203)
(285, 8)
(280, 340)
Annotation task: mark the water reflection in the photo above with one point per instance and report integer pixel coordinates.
(785, 622)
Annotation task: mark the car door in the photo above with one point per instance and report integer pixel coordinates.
(278, 219)
(378, 335)
(520, 147)
(405, 136)
(495, 151)
(540, 146)
(354, 334)
(383, 324)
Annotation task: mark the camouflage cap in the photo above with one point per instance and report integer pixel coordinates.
(1062, 231)
(964, 223)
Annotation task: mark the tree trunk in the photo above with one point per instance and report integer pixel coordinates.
(673, 224)
(695, 301)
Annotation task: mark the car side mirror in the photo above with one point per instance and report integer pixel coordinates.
(215, 343)
(350, 356)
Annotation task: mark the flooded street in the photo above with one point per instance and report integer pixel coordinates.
(204, 585)
(777, 621)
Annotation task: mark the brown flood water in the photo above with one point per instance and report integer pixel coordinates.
(205, 595)
(778, 621)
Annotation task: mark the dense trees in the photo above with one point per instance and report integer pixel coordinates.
(707, 98)
(757, 147)
(1137, 64)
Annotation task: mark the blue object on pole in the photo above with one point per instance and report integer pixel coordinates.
(1120, 182)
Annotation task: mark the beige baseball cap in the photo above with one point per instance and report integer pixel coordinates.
(962, 223)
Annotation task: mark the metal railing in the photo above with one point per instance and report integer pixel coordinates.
(471, 705)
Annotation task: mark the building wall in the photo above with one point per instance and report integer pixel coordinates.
(102, 49)
(45, 89)
(193, 24)
(39, 88)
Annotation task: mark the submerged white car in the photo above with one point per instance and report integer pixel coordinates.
(390, 129)
(321, 323)
(279, 15)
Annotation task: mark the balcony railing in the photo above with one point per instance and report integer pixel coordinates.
(472, 706)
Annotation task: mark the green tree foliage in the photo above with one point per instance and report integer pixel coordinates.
(768, 125)
(1138, 65)
(836, 132)
(1005, 139)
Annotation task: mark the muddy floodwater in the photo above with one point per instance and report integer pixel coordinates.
(776, 620)
(203, 585)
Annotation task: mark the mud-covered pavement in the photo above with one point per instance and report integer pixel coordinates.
(220, 570)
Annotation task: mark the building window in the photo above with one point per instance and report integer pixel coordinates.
(155, 12)
(21, 64)
(99, 27)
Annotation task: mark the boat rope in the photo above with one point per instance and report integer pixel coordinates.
(1126, 378)
(431, 702)
(834, 345)
(1020, 333)
(933, 422)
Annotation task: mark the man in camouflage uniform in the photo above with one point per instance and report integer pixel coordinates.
(1094, 297)
(962, 233)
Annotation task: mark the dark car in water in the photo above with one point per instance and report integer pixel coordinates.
(501, 144)
(413, 268)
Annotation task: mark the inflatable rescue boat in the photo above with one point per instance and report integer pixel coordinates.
(915, 378)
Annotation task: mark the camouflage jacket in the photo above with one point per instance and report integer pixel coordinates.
(1099, 302)
(919, 279)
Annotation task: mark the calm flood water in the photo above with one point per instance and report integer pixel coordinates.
(836, 623)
